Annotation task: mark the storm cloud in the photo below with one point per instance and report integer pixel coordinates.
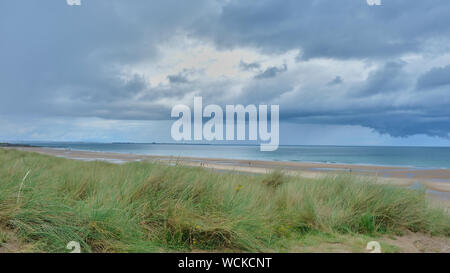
(326, 62)
(436, 77)
(271, 72)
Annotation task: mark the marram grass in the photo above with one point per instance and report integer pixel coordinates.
(151, 207)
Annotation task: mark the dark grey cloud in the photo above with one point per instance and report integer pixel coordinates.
(271, 72)
(335, 81)
(436, 77)
(397, 123)
(182, 76)
(177, 78)
(387, 101)
(391, 77)
(249, 66)
(322, 28)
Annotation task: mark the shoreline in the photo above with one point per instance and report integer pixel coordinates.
(436, 181)
(332, 163)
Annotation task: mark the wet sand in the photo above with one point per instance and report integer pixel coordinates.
(437, 181)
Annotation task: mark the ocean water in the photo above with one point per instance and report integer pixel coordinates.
(420, 157)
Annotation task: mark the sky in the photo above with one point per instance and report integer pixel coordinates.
(343, 72)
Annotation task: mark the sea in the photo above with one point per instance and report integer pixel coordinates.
(418, 157)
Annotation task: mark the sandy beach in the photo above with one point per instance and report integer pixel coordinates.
(437, 181)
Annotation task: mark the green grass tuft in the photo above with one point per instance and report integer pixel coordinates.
(275, 179)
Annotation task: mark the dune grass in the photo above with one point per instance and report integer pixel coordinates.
(151, 207)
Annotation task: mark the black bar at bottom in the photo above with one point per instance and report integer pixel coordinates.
(218, 262)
